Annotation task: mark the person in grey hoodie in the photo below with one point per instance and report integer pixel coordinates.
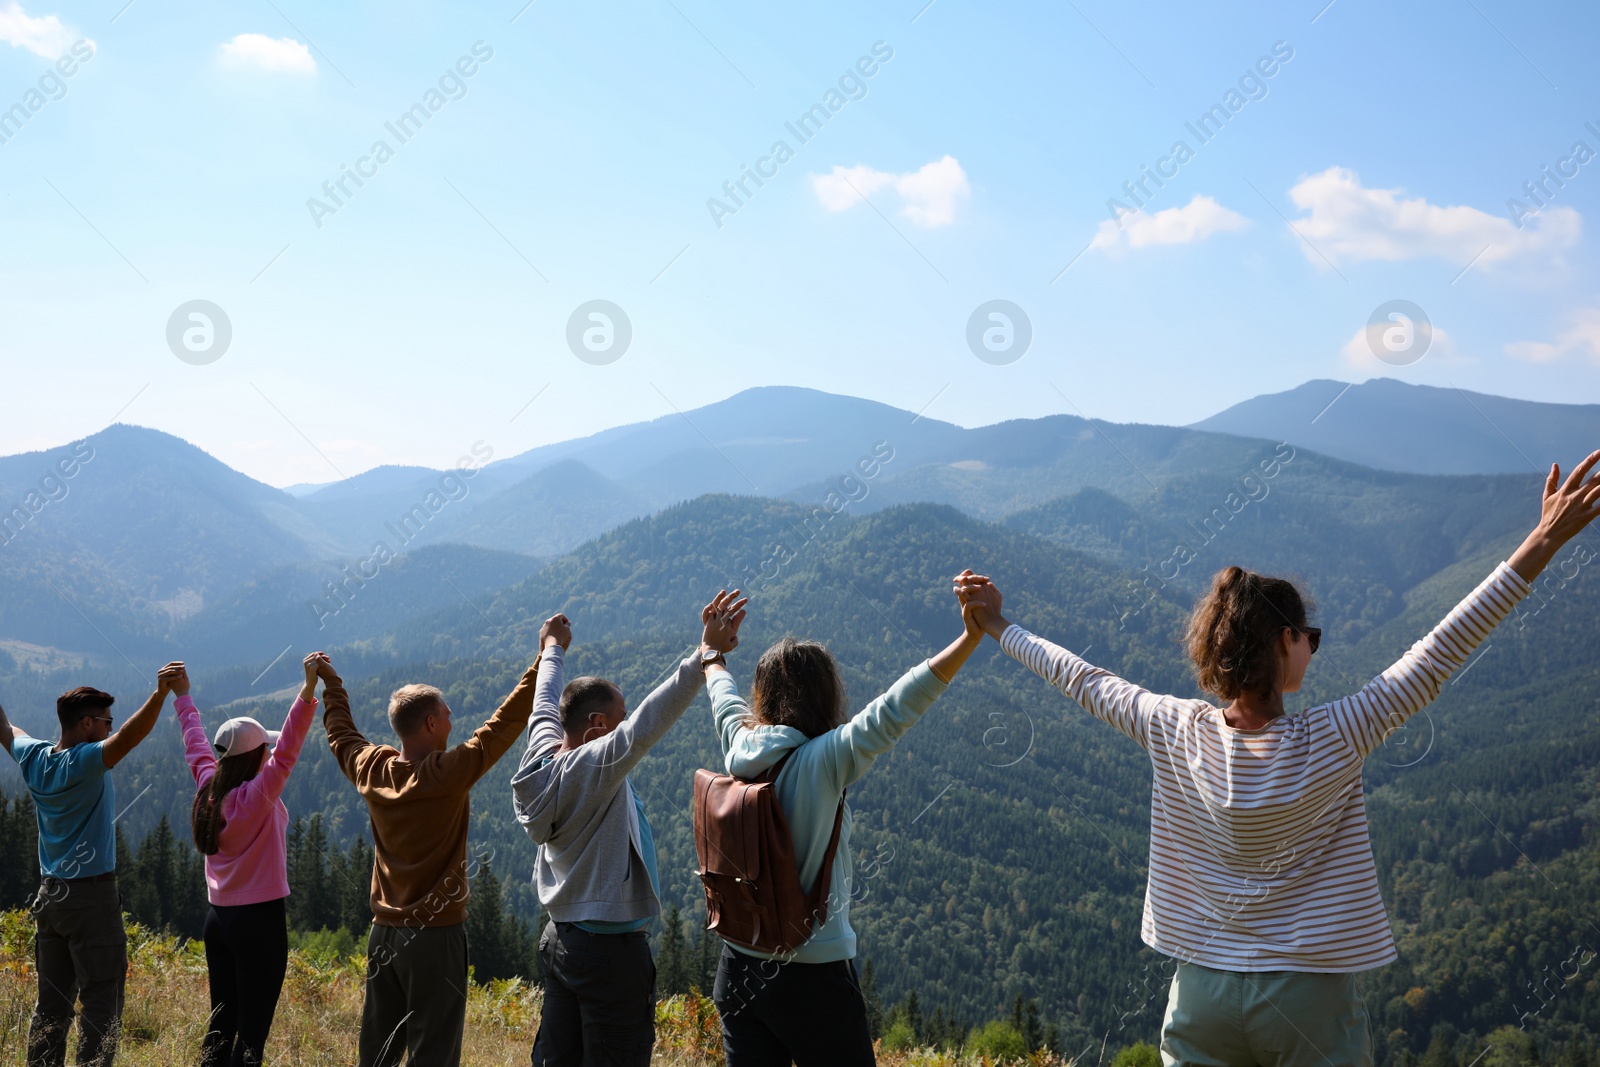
(596, 870)
(806, 1006)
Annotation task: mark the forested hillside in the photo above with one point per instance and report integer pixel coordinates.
(1000, 847)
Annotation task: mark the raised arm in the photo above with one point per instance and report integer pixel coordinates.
(8, 733)
(617, 753)
(472, 758)
(1366, 718)
(1111, 699)
(141, 722)
(850, 750)
(197, 750)
(344, 739)
(544, 728)
(275, 774)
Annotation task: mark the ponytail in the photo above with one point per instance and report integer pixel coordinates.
(1233, 632)
(205, 814)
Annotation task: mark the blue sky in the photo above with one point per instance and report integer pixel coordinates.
(576, 163)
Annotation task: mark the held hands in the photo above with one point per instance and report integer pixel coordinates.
(557, 630)
(173, 678)
(722, 619)
(980, 604)
(314, 665)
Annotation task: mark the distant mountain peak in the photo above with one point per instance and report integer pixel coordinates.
(1424, 429)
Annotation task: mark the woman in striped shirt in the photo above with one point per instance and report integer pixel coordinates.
(1262, 884)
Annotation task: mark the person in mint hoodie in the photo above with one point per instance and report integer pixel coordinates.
(806, 1007)
(239, 826)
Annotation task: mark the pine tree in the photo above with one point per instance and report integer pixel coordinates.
(311, 904)
(913, 1015)
(351, 881)
(486, 928)
(869, 993)
(674, 975)
(19, 850)
(708, 949)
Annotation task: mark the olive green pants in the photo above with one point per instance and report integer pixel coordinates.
(1267, 1018)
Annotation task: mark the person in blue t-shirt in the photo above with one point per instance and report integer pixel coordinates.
(80, 948)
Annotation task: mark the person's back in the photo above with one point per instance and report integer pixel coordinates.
(80, 947)
(806, 1005)
(1261, 876)
(596, 871)
(419, 801)
(239, 823)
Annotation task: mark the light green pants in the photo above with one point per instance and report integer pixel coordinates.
(1265, 1018)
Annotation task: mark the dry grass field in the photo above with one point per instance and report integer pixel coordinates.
(317, 1016)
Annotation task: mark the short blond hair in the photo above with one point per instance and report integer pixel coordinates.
(410, 704)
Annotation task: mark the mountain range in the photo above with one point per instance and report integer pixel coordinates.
(1001, 843)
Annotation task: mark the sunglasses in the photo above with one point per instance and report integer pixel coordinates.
(1313, 634)
(100, 718)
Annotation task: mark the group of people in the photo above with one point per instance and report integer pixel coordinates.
(1261, 878)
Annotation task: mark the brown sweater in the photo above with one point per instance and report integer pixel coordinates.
(420, 810)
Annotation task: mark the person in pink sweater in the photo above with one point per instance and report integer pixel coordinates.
(240, 826)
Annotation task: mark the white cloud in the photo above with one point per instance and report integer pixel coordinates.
(1348, 221)
(930, 194)
(1581, 337)
(45, 36)
(1195, 221)
(267, 53)
(1441, 349)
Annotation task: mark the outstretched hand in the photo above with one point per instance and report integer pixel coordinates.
(1566, 508)
(722, 619)
(557, 629)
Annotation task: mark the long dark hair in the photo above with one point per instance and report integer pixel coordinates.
(205, 816)
(797, 684)
(1234, 630)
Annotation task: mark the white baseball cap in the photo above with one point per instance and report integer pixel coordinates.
(242, 735)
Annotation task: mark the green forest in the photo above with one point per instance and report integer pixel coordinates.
(1000, 847)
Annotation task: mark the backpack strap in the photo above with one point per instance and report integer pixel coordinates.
(817, 900)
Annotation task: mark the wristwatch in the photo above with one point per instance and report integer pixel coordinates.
(708, 656)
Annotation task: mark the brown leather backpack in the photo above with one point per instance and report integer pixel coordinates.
(747, 864)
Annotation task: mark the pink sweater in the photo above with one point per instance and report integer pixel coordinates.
(252, 855)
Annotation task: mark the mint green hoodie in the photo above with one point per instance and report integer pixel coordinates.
(811, 783)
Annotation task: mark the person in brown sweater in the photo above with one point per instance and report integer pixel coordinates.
(418, 795)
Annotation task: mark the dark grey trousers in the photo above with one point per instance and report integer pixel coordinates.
(81, 952)
(599, 999)
(416, 996)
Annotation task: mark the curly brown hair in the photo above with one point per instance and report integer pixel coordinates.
(1234, 630)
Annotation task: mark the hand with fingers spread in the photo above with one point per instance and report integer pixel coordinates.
(557, 630)
(1566, 508)
(722, 619)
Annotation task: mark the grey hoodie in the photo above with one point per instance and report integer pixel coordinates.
(578, 806)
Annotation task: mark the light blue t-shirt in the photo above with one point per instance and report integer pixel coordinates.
(76, 806)
(647, 852)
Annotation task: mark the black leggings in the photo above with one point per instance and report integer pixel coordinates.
(247, 952)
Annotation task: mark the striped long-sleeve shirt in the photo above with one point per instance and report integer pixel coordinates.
(1259, 854)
